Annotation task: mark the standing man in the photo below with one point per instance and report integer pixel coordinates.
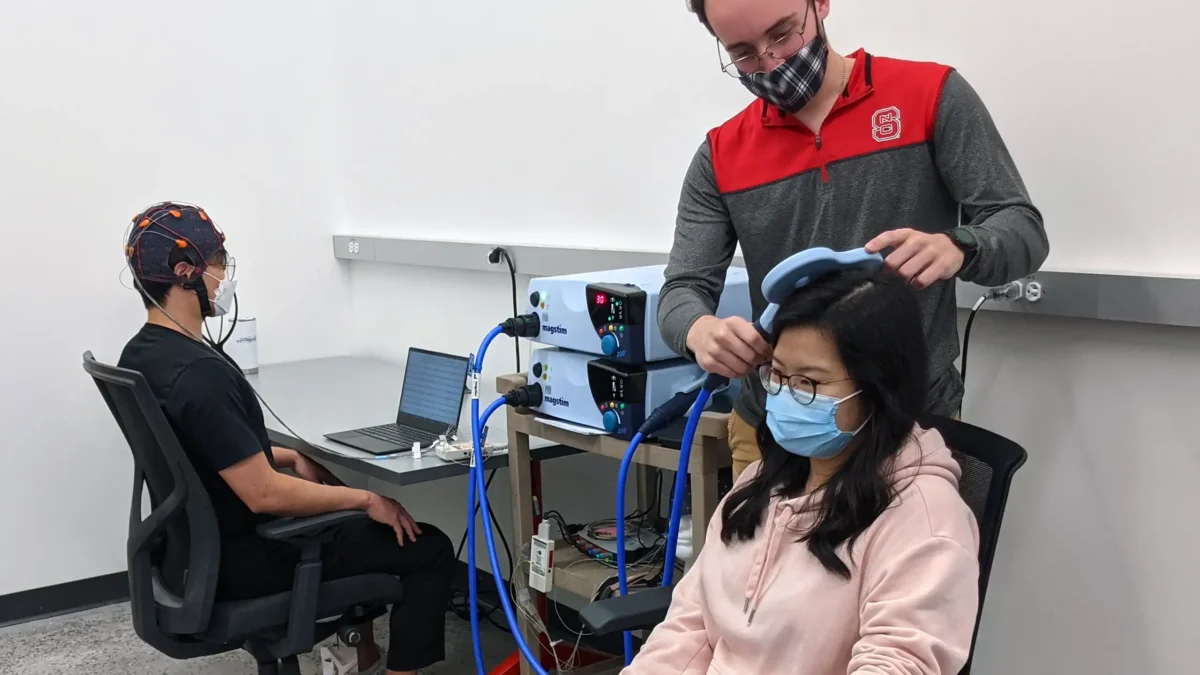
(842, 152)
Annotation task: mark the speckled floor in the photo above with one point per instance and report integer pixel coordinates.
(102, 642)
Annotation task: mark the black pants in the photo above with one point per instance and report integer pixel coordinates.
(253, 567)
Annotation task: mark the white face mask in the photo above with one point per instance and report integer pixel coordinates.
(222, 300)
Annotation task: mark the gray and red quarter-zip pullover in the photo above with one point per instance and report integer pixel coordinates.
(905, 145)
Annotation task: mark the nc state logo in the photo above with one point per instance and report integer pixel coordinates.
(885, 124)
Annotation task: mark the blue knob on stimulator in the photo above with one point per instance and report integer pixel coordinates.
(611, 421)
(609, 344)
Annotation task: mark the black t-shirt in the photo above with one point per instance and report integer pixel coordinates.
(212, 409)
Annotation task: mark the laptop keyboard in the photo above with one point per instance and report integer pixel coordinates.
(402, 436)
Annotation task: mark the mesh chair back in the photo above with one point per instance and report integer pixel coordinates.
(988, 462)
(181, 530)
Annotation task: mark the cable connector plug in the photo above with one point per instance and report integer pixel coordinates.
(1013, 290)
(524, 326)
(529, 396)
(714, 383)
(677, 406)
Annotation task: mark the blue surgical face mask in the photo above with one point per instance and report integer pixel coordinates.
(808, 430)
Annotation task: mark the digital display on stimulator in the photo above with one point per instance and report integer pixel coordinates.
(619, 391)
(618, 312)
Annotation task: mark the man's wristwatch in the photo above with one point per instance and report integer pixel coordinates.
(966, 241)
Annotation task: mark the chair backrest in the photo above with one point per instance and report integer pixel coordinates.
(181, 530)
(989, 462)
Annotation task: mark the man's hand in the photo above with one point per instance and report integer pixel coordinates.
(727, 347)
(389, 512)
(919, 257)
(312, 472)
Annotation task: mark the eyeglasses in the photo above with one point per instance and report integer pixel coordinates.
(229, 266)
(803, 389)
(782, 49)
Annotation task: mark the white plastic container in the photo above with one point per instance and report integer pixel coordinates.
(683, 547)
(243, 345)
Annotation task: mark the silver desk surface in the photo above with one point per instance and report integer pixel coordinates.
(322, 396)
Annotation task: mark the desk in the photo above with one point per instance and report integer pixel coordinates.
(321, 396)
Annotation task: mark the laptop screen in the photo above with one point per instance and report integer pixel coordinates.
(433, 390)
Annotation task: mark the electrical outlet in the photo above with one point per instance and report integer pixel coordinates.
(1033, 291)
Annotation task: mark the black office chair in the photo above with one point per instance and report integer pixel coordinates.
(988, 462)
(174, 553)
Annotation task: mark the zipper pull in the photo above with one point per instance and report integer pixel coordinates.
(818, 141)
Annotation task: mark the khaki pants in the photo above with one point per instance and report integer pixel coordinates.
(743, 443)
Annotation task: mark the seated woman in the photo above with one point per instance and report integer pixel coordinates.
(846, 549)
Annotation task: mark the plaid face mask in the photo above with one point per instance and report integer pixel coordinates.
(795, 81)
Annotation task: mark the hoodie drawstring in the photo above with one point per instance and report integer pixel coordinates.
(763, 565)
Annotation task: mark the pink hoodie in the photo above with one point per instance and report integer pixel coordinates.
(767, 606)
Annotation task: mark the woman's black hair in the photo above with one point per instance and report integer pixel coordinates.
(875, 323)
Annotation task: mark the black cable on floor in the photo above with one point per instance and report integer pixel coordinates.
(507, 553)
(463, 542)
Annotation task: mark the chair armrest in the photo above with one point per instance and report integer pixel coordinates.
(644, 609)
(285, 529)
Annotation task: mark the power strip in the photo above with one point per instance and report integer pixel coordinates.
(461, 452)
(541, 559)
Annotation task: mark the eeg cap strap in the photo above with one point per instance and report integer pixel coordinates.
(175, 228)
(798, 270)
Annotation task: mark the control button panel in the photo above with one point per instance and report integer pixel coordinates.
(618, 312)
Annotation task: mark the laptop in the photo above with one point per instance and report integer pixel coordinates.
(431, 401)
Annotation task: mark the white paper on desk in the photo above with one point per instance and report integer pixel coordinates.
(573, 428)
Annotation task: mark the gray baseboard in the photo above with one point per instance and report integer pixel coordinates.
(73, 596)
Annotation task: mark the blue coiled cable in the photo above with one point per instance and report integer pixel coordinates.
(661, 417)
(622, 575)
(681, 476)
(476, 490)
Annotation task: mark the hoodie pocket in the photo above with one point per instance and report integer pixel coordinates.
(720, 664)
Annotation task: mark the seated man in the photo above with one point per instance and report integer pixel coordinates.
(184, 273)
(846, 549)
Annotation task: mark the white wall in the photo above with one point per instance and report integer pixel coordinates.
(532, 122)
(1095, 570)
(104, 110)
(568, 123)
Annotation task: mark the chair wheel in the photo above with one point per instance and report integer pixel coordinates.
(289, 666)
(350, 635)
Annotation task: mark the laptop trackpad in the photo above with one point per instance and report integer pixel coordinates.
(369, 444)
